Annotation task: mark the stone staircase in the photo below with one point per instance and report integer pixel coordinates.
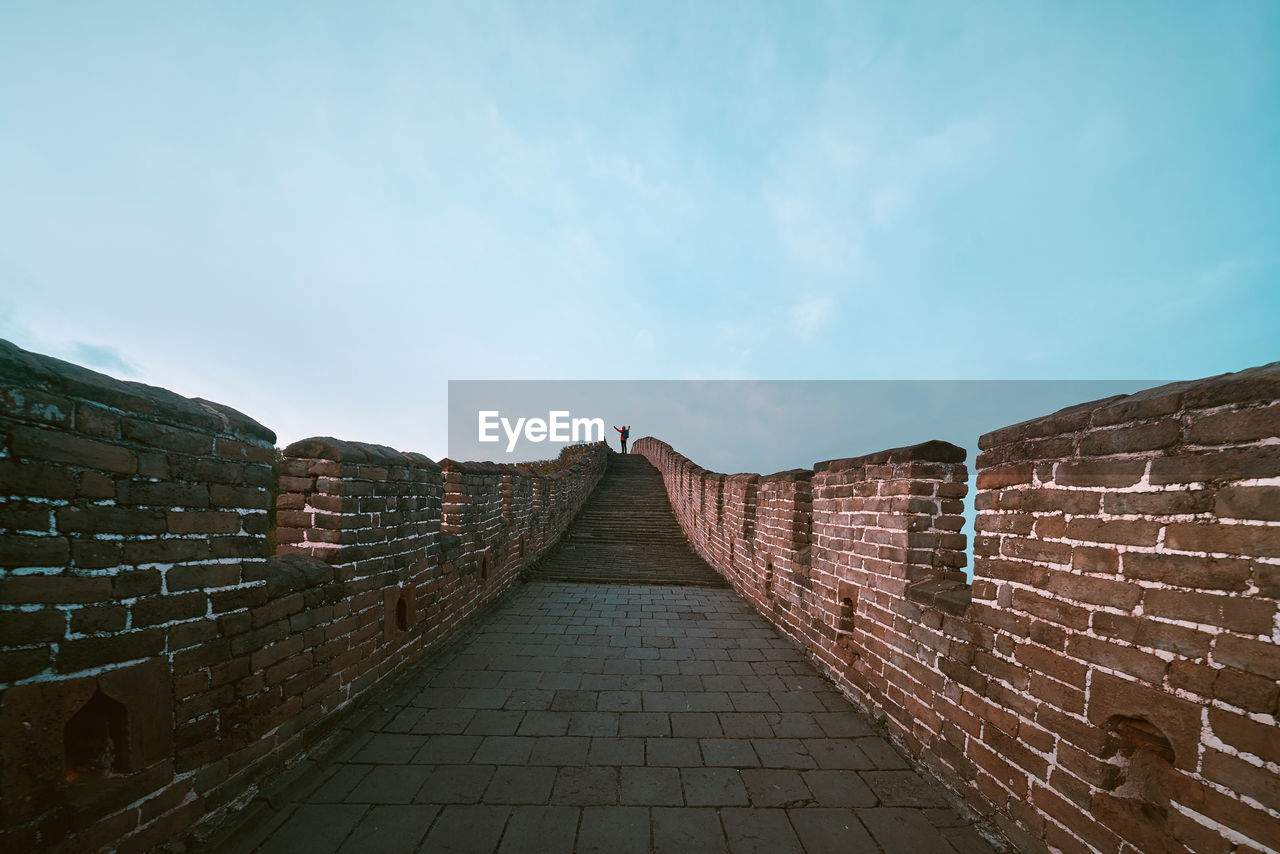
(626, 533)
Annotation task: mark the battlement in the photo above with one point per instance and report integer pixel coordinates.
(185, 608)
(1109, 679)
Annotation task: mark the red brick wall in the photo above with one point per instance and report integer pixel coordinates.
(1109, 683)
(138, 592)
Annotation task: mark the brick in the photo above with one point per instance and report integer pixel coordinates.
(1005, 476)
(210, 522)
(1241, 614)
(28, 404)
(28, 628)
(1252, 656)
(1049, 500)
(1095, 591)
(1168, 503)
(1238, 539)
(60, 447)
(1113, 656)
(1098, 561)
(1222, 574)
(1193, 676)
(142, 582)
(1112, 474)
(1130, 439)
(163, 493)
(202, 575)
(1245, 690)
(153, 610)
(1036, 550)
(18, 664)
(26, 550)
(36, 480)
(52, 589)
(1249, 502)
(1241, 818)
(1057, 694)
(164, 551)
(24, 516)
(239, 497)
(1128, 532)
(1235, 426)
(1245, 734)
(1217, 466)
(1267, 577)
(93, 619)
(166, 437)
(1155, 635)
(81, 654)
(1053, 610)
(110, 520)
(1242, 777)
(95, 485)
(1051, 664)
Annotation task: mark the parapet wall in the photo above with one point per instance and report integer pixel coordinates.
(1109, 681)
(183, 608)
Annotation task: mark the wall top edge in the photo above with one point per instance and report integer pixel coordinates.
(1253, 385)
(933, 451)
(342, 451)
(22, 368)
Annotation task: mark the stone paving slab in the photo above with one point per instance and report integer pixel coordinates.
(613, 718)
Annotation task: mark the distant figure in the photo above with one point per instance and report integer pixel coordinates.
(625, 431)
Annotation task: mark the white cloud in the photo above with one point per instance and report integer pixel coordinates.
(812, 314)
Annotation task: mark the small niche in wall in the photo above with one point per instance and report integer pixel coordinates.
(398, 612)
(484, 566)
(846, 620)
(1145, 758)
(95, 740)
(520, 547)
(768, 579)
(1137, 802)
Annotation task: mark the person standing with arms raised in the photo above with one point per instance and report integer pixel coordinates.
(624, 431)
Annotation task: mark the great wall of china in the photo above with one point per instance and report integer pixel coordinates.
(184, 609)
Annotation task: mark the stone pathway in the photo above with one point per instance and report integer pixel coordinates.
(612, 718)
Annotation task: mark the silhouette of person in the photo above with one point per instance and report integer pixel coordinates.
(625, 431)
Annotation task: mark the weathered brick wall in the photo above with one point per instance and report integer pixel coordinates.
(157, 660)
(1129, 553)
(133, 553)
(1110, 682)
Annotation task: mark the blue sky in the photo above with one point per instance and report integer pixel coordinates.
(319, 213)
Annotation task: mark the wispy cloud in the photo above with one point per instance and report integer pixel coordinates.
(103, 357)
(811, 315)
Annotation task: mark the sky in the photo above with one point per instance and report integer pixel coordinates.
(320, 213)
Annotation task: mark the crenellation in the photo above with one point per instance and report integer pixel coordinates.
(230, 598)
(1109, 680)
(1126, 572)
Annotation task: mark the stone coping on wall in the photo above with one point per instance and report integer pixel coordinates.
(29, 374)
(342, 451)
(1257, 384)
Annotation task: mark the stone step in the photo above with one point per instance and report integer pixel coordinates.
(627, 533)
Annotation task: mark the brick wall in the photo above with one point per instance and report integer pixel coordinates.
(1109, 682)
(156, 658)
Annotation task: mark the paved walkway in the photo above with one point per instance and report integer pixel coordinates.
(613, 717)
